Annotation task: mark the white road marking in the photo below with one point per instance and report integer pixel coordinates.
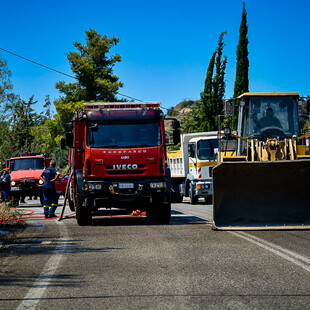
(34, 295)
(290, 256)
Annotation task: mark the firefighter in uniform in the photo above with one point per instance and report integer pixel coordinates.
(6, 184)
(50, 197)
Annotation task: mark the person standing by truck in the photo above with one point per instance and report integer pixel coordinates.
(50, 197)
(6, 184)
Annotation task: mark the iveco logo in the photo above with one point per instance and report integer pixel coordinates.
(124, 157)
(129, 166)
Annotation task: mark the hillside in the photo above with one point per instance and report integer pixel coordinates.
(179, 112)
(181, 109)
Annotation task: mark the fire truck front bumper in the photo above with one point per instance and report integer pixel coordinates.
(134, 189)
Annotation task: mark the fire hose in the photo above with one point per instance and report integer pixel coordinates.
(66, 196)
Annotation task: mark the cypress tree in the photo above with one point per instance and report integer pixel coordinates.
(242, 69)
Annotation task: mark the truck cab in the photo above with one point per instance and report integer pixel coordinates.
(192, 166)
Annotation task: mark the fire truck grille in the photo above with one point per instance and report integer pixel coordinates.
(28, 184)
(124, 172)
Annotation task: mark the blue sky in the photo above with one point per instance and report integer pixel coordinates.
(165, 45)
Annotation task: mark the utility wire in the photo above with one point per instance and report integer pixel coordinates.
(37, 63)
(49, 68)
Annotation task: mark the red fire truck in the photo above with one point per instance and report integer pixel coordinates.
(118, 159)
(25, 175)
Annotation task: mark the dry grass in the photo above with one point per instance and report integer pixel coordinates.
(10, 223)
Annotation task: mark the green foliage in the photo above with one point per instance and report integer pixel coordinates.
(214, 91)
(191, 122)
(5, 83)
(174, 147)
(93, 66)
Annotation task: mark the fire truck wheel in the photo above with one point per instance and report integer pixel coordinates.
(164, 214)
(192, 196)
(15, 201)
(160, 211)
(82, 212)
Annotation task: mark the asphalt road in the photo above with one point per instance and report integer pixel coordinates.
(126, 263)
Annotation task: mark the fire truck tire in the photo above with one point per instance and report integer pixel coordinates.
(164, 214)
(192, 196)
(176, 197)
(82, 213)
(160, 211)
(15, 201)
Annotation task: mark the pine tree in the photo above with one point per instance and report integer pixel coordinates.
(242, 70)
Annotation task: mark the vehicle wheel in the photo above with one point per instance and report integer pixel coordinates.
(176, 197)
(15, 201)
(208, 200)
(192, 196)
(164, 214)
(82, 212)
(160, 210)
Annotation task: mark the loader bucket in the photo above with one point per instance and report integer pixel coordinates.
(261, 195)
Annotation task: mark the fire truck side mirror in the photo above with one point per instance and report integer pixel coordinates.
(3, 165)
(69, 139)
(69, 127)
(63, 143)
(308, 106)
(176, 136)
(175, 124)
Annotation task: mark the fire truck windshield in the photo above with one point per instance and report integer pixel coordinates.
(123, 134)
(27, 164)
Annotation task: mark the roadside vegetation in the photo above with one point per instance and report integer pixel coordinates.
(10, 223)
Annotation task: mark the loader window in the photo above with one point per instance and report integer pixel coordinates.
(207, 149)
(273, 116)
(124, 134)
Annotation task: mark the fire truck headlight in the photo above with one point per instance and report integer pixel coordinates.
(93, 186)
(158, 184)
(13, 183)
(41, 182)
(98, 186)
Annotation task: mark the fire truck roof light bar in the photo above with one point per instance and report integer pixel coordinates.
(122, 105)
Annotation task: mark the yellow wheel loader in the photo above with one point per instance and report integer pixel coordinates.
(263, 177)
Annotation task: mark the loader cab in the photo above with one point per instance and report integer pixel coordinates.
(267, 115)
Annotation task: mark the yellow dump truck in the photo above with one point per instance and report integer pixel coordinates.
(263, 179)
